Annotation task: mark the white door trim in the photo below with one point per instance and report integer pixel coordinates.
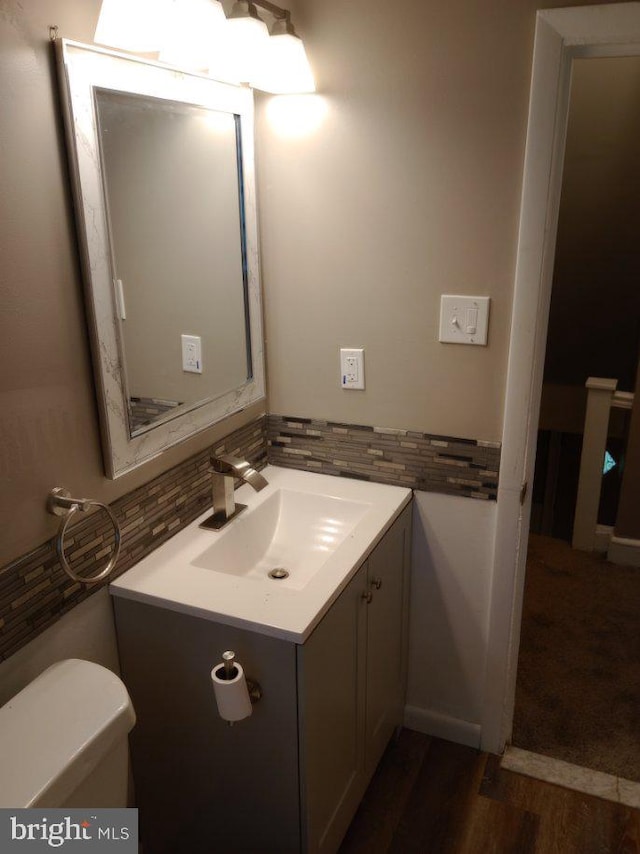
(561, 35)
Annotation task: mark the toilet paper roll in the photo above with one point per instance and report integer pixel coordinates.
(232, 695)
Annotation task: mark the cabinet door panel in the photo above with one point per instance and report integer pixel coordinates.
(386, 647)
(331, 674)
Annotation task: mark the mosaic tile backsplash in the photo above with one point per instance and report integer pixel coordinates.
(466, 467)
(35, 591)
(146, 410)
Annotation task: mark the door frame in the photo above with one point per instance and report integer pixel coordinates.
(561, 35)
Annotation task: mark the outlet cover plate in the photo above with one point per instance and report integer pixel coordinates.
(352, 368)
(191, 353)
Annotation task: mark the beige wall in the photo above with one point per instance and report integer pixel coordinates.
(408, 189)
(86, 632)
(48, 419)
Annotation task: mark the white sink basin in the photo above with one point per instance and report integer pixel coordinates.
(318, 529)
(288, 538)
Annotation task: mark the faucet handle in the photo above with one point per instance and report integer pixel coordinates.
(226, 463)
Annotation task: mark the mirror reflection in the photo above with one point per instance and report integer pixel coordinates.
(173, 192)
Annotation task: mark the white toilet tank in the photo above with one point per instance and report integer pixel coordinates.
(63, 739)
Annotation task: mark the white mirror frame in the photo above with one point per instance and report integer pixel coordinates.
(84, 67)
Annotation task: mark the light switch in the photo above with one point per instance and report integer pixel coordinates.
(463, 319)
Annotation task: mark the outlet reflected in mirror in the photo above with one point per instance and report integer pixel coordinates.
(162, 163)
(173, 193)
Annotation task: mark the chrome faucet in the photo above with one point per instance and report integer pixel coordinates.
(223, 471)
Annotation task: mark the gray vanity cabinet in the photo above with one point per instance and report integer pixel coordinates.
(351, 687)
(290, 777)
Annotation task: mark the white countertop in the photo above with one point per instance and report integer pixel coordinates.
(170, 577)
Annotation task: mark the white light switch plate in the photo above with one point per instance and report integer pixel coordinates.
(463, 319)
(352, 368)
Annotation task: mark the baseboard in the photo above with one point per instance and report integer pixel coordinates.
(442, 726)
(624, 551)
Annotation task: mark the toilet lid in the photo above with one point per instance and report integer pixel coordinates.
(56, 730)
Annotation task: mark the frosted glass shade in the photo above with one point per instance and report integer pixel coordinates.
(285, 69)
(193, 27)
(221, 62)
(248, 38)
(134, 25)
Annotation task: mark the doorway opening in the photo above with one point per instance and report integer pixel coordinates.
(578, 683)
(562, 36)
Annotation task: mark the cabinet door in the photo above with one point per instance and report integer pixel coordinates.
(386, 638)
(331, 674)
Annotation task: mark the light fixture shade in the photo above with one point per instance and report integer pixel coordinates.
(286, 68)
(193, 27)
(134, 25)
(248, 36)
(222, 63)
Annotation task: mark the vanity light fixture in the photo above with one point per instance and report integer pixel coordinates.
(196, 34)
(285, 68)
(248, 36)
(277, 63)
(195, 28)
(138, 26)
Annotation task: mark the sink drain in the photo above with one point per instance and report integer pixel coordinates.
(278, 573)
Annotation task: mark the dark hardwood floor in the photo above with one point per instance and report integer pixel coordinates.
(430, 796)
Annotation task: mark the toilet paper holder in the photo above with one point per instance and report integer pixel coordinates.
(228, 660)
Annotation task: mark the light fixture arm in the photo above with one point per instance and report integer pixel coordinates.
(282, 24)
(277, 12)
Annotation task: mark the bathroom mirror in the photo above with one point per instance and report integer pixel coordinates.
(162, 166)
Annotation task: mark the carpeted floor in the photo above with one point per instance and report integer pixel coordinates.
(578, 687)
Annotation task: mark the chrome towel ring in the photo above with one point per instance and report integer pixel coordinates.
(60, 504)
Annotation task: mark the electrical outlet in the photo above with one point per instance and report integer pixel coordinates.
(352, 368)
(191, 353)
